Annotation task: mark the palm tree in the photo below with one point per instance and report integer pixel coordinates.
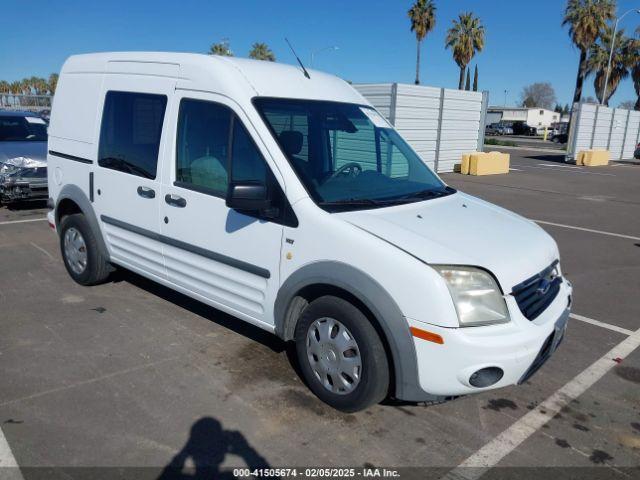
(635, 69)
(221, 48)
(621, 62)
(52, 83)
(586, 19)
(4, 86)
(465, 38)
(423, 18)
(261, 51)
(16, 87)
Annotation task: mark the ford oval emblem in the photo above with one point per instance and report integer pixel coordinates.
(544, 287)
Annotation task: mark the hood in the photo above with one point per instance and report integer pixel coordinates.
(463, 230)
(32, 150)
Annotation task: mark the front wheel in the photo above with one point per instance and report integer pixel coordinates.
(341, 355)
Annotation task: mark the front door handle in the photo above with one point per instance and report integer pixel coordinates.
(146, 192)
(175, 201)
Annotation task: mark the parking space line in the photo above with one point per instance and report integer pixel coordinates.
(38, 247)
(559, 166)
(7, 460)
(11, 222)
(608, 326)
(590, 230)
(581, 172)
(494, 451)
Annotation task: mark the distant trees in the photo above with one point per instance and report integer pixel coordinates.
(475, 79)
(221, 48)
(422, 15)
(261, 51)
(628, 104)
(31, 86)
(586, 20)
(465, 38)
(539, 94)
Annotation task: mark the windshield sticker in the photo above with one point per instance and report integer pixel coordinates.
(37, 120)
(377, 119)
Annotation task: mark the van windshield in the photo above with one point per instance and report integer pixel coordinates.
(347, 155)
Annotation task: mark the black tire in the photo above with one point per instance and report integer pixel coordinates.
(373, 385)
(97, 268)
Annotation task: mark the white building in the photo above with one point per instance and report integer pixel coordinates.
(534, 117)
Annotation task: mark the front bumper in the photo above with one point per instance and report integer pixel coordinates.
(518, 348)
(10, 192)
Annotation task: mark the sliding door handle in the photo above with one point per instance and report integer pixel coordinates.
(175, 201)
(146, 192)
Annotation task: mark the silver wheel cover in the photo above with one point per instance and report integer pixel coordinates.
(75, 250)
(334, 356)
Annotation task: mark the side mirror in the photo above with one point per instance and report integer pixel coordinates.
(249, 197)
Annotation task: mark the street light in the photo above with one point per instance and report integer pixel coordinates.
(613, 42)
(313, 54)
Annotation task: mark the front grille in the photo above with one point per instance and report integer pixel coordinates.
(535, 294)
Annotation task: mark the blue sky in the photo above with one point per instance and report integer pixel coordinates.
(525, 42)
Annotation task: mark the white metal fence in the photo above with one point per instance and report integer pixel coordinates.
(10, 101)
(600, 127)
(439, 123)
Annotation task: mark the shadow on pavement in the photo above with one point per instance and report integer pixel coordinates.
(554, 158)
(30, 205)
(194, 306)
(205, 451)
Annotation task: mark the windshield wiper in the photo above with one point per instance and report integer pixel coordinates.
(422, 195)
(352, 202)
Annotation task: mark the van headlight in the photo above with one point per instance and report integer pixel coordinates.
(475, 294)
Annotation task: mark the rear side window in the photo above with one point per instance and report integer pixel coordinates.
(130, 132)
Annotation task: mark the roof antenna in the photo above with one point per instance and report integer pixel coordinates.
(306, 74)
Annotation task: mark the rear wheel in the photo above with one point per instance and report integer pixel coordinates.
(341, 356)
(82, 257)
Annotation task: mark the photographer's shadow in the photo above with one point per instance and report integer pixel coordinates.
(205, 451)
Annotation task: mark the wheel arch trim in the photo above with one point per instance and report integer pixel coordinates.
(77, 196)
(379, 302)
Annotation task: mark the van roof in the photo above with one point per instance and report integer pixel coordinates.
(226, 75)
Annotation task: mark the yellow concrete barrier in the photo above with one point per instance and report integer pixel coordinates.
(592, 158)
(466, 162)
(492, 163)
(596, 158)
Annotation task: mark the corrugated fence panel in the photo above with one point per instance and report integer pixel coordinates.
(601, 131)
(616, 137)
(632, 137)
(600, 127)
(440, 124)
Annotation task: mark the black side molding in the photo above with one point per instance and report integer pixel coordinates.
(218, 257)
(91, 186)
(70, 157)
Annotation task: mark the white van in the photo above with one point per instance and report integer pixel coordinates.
(283, 198)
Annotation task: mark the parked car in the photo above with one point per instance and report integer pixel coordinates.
(258, 188)
(492, 129)
(506, 130)
(559, 138)
(23, 155)
(636, 154)
(498, 129)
